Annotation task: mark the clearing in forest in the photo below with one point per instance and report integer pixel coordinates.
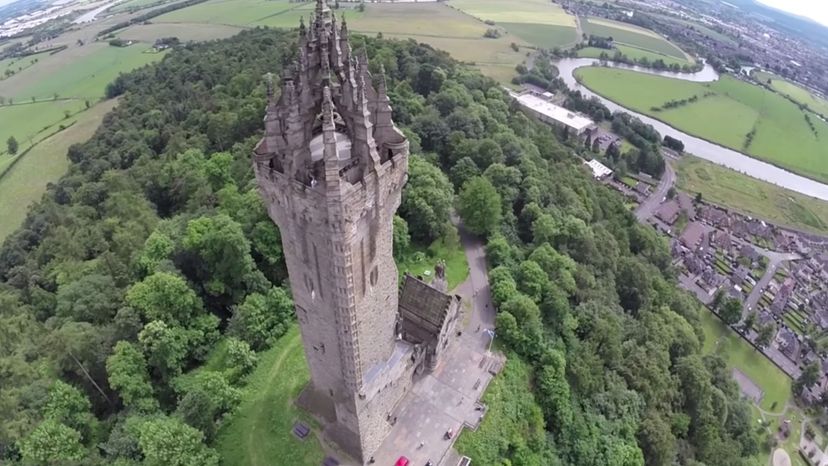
(730, 112)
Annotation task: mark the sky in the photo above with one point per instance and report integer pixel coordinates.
(816, 10)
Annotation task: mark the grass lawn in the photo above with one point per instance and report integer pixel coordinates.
(259, 432)
(631, 35)
(87, 77)
(26, 181)
(751, 196)
(420, 261)
(247, 13)
(740, 355)
(726, 111)
(794, 91)
(26, 121)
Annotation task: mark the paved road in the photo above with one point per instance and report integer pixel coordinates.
(648, 207)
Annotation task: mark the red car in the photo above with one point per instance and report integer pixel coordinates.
(403, 461)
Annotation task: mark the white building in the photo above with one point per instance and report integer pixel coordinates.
(553, 114)
(599, 170)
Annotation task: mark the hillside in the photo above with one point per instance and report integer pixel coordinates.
(141, 291)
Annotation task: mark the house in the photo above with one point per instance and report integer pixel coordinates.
(821, 318)
(739, 275)
(714, 216)
(686, 205)
(750, 253)
(764, 318)
(693, 264)
(692, 236)
(668, 212)
(722, 241)
(642, 188)
(788, 344)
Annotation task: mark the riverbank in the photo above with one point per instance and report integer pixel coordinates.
(700, 147)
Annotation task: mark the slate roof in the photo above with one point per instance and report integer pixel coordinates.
(423, 309)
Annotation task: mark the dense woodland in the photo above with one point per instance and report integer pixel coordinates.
(155, 247)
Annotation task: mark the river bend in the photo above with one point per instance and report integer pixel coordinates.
(692, 144)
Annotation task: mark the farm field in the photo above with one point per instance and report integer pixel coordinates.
(184, 31)
(256, 437)
(19, 64)
(31, 121)
(727, 110)
(83, 78)
(635, 36)
(751, 196)
(26, 180)
(737, 353)
(436, 24)
(246, 13)
(632, 53)
(794, 91)
(536, 21)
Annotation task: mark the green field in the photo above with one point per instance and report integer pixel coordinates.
(738, 354)
(627, 34)
(247, 13)
(633, 53)
(259, 432)
(26, 181)
(183, 31)
(84, 78)
(436, 24)
(19, 64)
(30, 122)
(538, 22)
(750, 196)
(726, 111)
(794, 91)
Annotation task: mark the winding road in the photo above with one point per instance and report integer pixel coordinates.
(694, 145)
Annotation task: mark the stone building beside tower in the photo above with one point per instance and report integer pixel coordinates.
(331, 168)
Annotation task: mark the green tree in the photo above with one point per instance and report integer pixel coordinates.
(164, 296)
(532, 280)
(198, 410)
(240, 357)
(168, 441)
(165, 348)
(92, 298)
(731, 311)
(52, 443)
(462, 171)
(224, 253)
(11, 145)
(261, 319)
(67, 405)
(426, 201)
(766, 333)
(479, 206)
(128, 374)
(402, 239)
(808, 378)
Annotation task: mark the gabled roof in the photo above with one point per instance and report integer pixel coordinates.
(423, 305)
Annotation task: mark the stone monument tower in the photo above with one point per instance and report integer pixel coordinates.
(331, 168)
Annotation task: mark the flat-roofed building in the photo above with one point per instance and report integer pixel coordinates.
(553, 114)
(599, 170)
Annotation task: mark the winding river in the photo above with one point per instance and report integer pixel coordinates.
(696, 146)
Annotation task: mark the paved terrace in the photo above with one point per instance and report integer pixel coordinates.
(448, 398)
